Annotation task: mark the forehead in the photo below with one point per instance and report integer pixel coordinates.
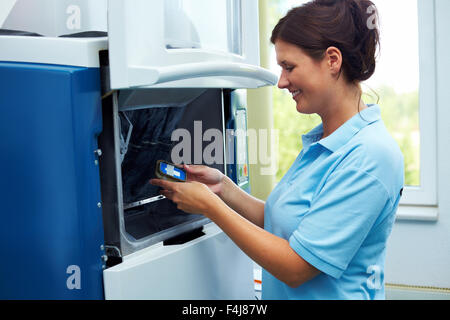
(289, 53)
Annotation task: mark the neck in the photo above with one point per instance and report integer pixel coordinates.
(343, 106)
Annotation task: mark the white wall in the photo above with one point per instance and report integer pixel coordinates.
(418, 253)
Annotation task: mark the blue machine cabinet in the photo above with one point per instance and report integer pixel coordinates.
(51, 231)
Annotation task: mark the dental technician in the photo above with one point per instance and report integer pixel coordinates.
(322, 232)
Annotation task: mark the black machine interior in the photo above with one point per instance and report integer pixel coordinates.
(151, 140)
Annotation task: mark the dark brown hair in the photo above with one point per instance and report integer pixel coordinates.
(349, 25)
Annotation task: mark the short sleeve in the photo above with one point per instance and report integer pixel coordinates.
(339, 219)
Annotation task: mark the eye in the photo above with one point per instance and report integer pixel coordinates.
(289, 68)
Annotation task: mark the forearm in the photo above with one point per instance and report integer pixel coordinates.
(271, 252)
(240, 201)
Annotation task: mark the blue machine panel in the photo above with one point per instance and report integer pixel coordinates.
(51, 228)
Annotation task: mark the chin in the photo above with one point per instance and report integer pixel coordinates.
(303, 109)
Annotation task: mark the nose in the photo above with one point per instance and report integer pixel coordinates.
(283, 82)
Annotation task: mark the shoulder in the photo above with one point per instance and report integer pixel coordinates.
(373, 151)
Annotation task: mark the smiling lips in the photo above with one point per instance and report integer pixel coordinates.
(296, 93)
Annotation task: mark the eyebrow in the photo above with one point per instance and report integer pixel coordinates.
(284, 63)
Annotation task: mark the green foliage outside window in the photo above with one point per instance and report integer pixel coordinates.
(399, 113)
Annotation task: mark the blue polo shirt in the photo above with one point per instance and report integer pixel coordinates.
(336, 206)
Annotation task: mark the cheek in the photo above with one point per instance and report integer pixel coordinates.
(318, 85)
(307, 79)
(316, 93)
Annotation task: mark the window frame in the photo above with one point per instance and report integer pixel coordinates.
(426, 193)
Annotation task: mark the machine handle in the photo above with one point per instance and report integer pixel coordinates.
(145, 76)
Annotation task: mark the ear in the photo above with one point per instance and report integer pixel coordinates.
(333, 58)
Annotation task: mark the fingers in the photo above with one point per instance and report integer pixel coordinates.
(167, 185)
(196, 170)
(188, 167)
(193, 168)
(171, 195)
(191, 172)
(168, 194)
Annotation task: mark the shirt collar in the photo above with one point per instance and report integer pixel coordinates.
(344, 133)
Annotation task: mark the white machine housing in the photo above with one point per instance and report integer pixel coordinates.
(141, 53)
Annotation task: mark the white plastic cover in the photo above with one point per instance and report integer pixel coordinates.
(185, 43)
(210, 267)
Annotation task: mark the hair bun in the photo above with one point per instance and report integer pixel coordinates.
(350, 25)
(366, 39)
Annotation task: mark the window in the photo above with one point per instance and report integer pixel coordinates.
(404, 83)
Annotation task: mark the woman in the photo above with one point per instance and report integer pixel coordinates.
(322, 232)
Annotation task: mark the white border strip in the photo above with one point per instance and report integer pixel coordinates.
(417, 213)
(80, 52)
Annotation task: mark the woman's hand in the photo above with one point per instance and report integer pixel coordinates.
(234, 197)
(212, 178)
(191, 197)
